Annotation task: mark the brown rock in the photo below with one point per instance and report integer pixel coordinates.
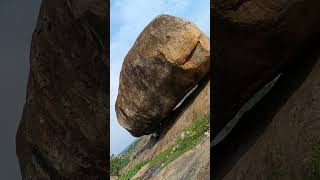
(168, 58)
(198, 103)
(254, 41)
(63, 130)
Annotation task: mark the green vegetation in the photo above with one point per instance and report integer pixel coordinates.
(276, 169)
(275, 160)
(315, 162)
(160, 157)
(191, 136)
(132, 171)
(116, 163)
(120, 161)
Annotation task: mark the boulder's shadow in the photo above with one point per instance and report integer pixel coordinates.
(170, 119)
(252, 125)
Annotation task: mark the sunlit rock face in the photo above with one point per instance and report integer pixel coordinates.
(169, 58)
(254, 41)
(63, 130)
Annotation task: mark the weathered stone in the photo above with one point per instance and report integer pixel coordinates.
(63, 130)
(254, 40)
(168, 58)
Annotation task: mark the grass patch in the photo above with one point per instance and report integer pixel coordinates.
(190, 137)
(160, 157)
(186, 140)
(315, 162)
(132, 171)
(276, 169)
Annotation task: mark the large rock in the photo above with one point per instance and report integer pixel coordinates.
(168, 58)
(198, 103)
(287, 146)
(63, 130)
(254, 40)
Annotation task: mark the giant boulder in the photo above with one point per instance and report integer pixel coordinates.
(168, 59)
(255, 41)
(63, 129)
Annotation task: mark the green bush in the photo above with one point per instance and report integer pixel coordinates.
(132, 171)
(120, 161)
(315, 162)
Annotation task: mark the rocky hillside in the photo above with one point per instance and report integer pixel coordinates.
(255, 42)
(168, 62)
(63, 129)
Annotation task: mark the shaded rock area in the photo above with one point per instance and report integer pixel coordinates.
(279, 138)
(285, 143)
(168, 59)
(254, 41)
(199, 102)
(63, 132)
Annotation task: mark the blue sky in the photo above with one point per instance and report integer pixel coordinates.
(128, 18)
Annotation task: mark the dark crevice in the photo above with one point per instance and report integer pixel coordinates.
(191, 53)
(123, 113)
(168, 121)
(96, 26)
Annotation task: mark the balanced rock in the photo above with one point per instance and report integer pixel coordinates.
(254, 41)
(63, 129)
(167, 60)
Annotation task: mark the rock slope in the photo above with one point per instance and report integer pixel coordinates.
(254, 41)
(168, 59)
(194, 164)
(288, 145)
(198, 102)
(63, 129)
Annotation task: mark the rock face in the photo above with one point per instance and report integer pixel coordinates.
(288, 147)
(63, 130)
(167, 60)
(199, 102)
(254, 40)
